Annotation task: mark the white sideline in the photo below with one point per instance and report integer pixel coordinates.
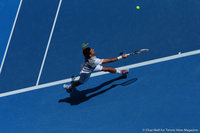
(102, 73)
(2, 63)
(47, 48)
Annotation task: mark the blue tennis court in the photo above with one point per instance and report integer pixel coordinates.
(41, 50)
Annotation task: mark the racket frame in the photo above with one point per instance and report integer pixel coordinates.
(138, 52)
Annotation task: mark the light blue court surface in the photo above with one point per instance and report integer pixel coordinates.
(45, 47)
(165, 95)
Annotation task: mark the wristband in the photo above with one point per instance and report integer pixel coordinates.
(83, 46)
(119, 58)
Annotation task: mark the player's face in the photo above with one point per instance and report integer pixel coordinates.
(92, 52)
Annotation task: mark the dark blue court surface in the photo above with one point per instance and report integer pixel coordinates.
(162, 96)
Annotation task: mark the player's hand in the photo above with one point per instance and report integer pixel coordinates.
(85, 44)
(124, 56)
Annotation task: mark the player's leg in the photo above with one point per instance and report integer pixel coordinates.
(83, 78)
(75, 84)
(109, 69)
(113, 70)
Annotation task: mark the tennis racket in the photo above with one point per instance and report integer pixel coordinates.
(138, 51)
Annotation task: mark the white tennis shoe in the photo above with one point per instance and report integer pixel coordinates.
(65, 86)
(124, 72)
(69, 90)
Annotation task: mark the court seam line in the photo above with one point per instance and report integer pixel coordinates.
(159, 60)
(49, 41)
(11, 33)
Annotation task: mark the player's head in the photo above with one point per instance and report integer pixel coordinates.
(88, 52)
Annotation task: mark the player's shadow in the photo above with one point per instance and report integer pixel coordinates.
(78, 97)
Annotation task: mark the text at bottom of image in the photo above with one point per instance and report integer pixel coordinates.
(169, 130)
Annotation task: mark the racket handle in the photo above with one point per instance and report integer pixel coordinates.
(128, 54)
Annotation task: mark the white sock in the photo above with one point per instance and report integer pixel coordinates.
(118, 71)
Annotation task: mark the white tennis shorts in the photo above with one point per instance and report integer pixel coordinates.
(84, 77)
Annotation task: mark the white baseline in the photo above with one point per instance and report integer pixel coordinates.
(102, 73)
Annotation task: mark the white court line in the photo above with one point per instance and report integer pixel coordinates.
(4, 57)
(54, 23)
(102, 73)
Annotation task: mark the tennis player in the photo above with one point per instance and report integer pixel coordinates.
(93, 64)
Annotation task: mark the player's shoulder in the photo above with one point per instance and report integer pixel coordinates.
(94, 58)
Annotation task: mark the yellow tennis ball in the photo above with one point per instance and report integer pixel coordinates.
(137, 7)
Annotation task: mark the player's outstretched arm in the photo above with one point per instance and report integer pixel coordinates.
(114, 59)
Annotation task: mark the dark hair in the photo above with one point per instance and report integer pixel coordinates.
(86, 52)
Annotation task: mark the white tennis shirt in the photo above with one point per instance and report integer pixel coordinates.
(92, 64)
